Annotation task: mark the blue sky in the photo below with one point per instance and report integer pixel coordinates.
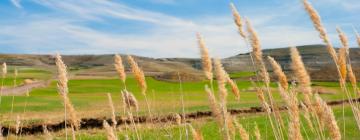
(163, 28)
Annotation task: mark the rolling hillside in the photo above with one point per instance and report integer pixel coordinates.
(315, 57)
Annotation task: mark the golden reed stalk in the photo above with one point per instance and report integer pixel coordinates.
(215, 109)
(234, 88)
(327, 118)
(357, 37)
(279, 73)
(46, 133)
(120, 68)
(238, 20)
(63, 91)
(343, 38)
(342, 65)
(352, 79)
(129, 100)
(205, 58)
(4, 69)
(291, 101)
(221, 79)
(257, 53)
(244, 135)
(110, 133)
(307, 116)
(315, 18)
(301, 75)
(112, 108)
(343, 54)
(196, 134)
(257, 132)
(264, 75)
(138, 73)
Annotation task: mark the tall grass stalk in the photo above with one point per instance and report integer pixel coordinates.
(315, 18)
(264, 76)
(140, 78)
(182, 106)
(27, 94)
(3, 77)
(13, 96)
(63, 91)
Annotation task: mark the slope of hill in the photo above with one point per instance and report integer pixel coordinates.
(315, 57)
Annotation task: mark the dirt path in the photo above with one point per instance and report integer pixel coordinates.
(22, 89)
(87, 123)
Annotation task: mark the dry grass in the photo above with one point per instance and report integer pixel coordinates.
(242, 131)
(205, 58)
(63, 91)
(110, 133)
(120, 68)
(315, 18)
(196, 134)
(279, 73)
(291, 101)
(238, 20)
(257, 53)
(138, 73)
(112, 108)
(327, 118)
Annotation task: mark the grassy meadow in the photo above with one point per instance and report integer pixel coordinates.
(90, 101)
(292, 106)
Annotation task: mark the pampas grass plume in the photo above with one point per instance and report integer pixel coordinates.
(120, 67)
(138, 73)
(238, 20)
(205, 57)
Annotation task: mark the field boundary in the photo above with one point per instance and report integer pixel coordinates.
(88, 123)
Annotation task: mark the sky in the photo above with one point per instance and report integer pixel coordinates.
(163, 28)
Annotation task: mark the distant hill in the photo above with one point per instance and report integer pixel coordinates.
(316, 59)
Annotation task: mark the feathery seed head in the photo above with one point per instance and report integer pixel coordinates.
(120, 67)
(63, 91)
(279, 73)
(327, 117)
(238, 20)
(215, 109)
(343, 38)
(112, 108)
(315, 18)
(4, 69)
(300, 72)
(130, 100)
(342, 64)
(205, 57)
(138, 73)
(221, 78)
(357, 37)
(234, 88)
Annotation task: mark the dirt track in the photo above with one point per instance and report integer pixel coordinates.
(87, 123)
(22, 89)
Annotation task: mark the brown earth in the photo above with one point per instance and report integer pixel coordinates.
(88, 123)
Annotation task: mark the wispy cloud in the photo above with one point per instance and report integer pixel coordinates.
(164, 1)
(16, 3)
(66, 30)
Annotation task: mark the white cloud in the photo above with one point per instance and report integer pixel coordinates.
(164, 1)
(349, 5)
(16, 3)
(169, 36)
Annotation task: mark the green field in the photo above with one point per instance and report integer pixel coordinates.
(90, 101)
